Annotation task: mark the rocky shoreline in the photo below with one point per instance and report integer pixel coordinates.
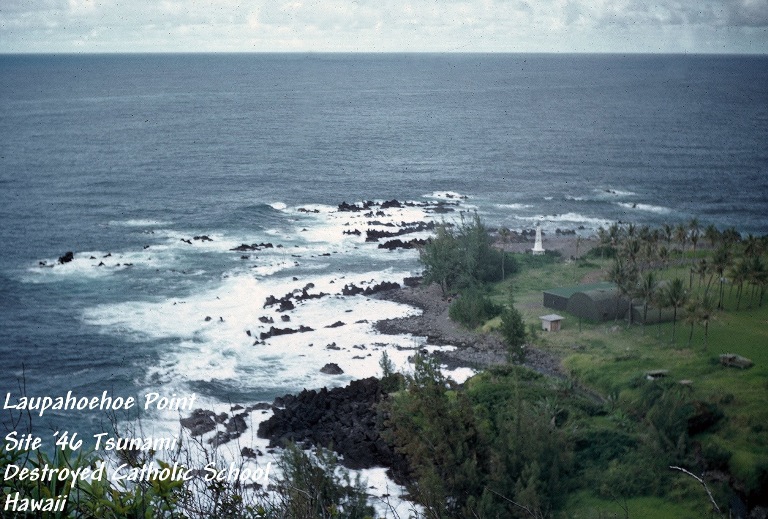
(474, 350)
(348, 418)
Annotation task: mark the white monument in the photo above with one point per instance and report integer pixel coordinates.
(538, 248)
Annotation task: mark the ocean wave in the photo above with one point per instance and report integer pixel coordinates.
(515, 207)
(91, 265)
(140, 222)
(614, 192)
(447, 195)
(572, 218)
(646, 207)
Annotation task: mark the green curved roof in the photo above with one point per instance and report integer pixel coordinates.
(569, 291)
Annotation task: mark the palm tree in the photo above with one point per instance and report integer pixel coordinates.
(693, 226)
(632, 250)
(660, 300)
(675, 295)
(664, 255)
(647, 291)
(625, 277)
(751, 246)
(712, 235)
(731, 236)
(605, 240)
(692, 315)
(739, 275)
(702, 267)
(706, 313)
(681, 235)
(668, 231)
(757, 277)
(720, 262)
(614, 233)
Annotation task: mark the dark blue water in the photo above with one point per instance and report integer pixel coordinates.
(107, 154)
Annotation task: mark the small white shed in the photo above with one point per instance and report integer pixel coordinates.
(551, 322)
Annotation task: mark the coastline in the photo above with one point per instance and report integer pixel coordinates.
(473, 349)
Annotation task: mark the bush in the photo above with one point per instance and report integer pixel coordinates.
(513, 331)
(472, 308)
(463, 256)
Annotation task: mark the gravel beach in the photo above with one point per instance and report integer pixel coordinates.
(473, 349)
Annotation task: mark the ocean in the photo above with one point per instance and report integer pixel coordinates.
(125, 159)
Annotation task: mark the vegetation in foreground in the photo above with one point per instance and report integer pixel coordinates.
(702, 417)
(605, 441)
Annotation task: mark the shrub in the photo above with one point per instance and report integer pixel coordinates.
(513, 331)
(463, 256)
(472, 308)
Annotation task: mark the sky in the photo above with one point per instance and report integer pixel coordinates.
(620, 26)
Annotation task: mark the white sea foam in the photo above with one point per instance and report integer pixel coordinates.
(646, 207)
(447, 195)
(90, 265)
(278, 206)
(515, 207)
(213, 337)
(549, 222)
(459, 375)
(614, 192)
(139, 222)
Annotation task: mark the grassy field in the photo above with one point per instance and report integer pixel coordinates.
(612, 359)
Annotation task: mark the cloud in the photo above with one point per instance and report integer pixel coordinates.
(381, 25)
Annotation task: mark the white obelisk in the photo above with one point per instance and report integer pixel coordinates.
(538, 248)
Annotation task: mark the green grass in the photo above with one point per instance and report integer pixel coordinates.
(583, 505)
(612, 359)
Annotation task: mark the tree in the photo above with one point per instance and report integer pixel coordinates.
(437, 433)
(739, 275)
(660, 300)
(694, 228)
(664, 255)
(646, 291)
(692, 315)
(624, 274)
(758, 276)
(720, 262)
(668, 231)
(701, 270)
(706, 313)
(463, 256)
(440, 257)
(513, 331)
(681, 235)
(712, 235)
(315, 485)
(675, 295)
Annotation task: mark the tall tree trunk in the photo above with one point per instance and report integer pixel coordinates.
(706, 333)
(658, 327)
(690, 335)
(674, 323)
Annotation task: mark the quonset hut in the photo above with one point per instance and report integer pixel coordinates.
(601, 304)
(595, 302)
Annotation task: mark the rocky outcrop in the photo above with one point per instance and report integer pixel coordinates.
(66, 258)
(346, 419)
(274, 332)
(285, 303)
(332, 369)
(252, 247)
(372, 235)
(400, 244)
(352, 290)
